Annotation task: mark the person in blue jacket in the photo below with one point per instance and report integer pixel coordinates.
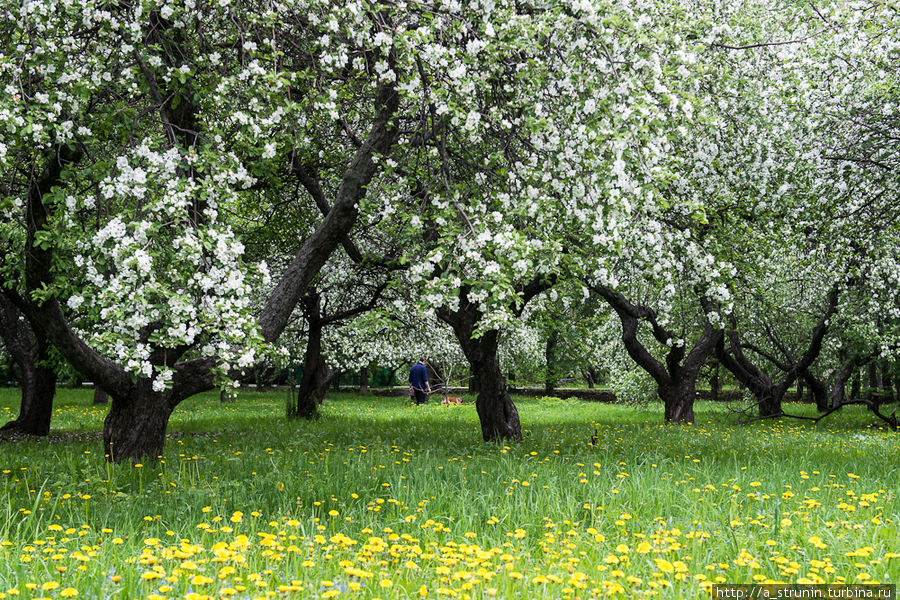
(419, 387)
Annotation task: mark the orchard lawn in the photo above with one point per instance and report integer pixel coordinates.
(379, 498)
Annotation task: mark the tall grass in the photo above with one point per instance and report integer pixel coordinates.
(380, 498)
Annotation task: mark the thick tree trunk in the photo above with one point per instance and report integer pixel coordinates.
(496, 410)
(678, 399)
(872, 377)
(818, 391)
(30, 350)
(676, 379)
(770, 404)
(474, 379)
(307, 405)
(38, 385)
(316, 375)
(135, 426)
(877, 383)
(364, 381)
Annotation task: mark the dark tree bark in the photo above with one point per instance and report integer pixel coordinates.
(848, 366)
(676, 380)
(768, 393)
(496, 411)
(590, 376)
(100, 396)
(30, 351)
(474, 378)
(316, 375)
(875, 392)
(855, 385)
(818, 391)
(714, 383)
(888, 386)
(364, 381)
(135, 426)
(551, 375)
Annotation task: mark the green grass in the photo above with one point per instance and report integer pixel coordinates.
(379, 498)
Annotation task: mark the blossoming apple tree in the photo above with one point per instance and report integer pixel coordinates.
(133, 131)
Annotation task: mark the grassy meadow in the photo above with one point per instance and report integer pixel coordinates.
(382, 499)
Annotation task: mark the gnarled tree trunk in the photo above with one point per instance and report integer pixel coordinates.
(496, 410)
(678, 399)
(135, 426)
(768, 394)
(818, 391)
(676, 380)
(316, 374)
(30, 350)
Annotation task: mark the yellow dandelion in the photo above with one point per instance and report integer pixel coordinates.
(664, 565)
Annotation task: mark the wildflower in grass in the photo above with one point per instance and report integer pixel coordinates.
(664, 565)
(49, 586)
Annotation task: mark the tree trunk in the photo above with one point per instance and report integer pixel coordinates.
(888, 386)
(38, 385)
(364, 381)
(496, 410)
(800, 389)
(770, 404)
(590, 377)
(100, 396)
(678, 399)
(316, 375)
(135, 426)
(308, 393)
(878, 395)
(474, 379)
(30, 350)
(856, 385)
(714, 384)
(818, 391)
(550, 376)
(870, 377)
